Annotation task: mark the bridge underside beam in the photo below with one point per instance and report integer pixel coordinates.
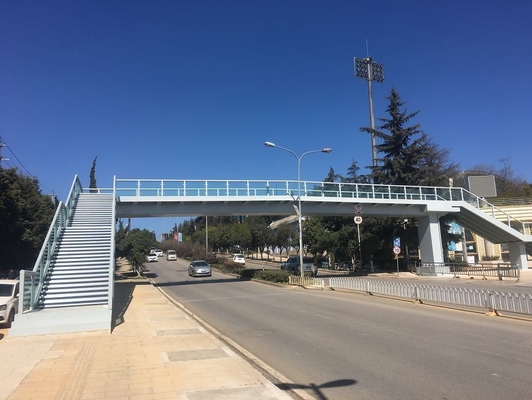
(141, 209)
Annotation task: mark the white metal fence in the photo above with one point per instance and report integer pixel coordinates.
(500, 270)
(491, 300)
(307, 281)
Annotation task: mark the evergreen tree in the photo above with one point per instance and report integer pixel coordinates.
(407, 156)
(25, 217)
(399, 160)
(92, 176)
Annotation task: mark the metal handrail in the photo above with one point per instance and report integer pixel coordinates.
(251, 188)
(35, 278)
(110, 290)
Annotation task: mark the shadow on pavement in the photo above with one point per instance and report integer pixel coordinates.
(123, 294)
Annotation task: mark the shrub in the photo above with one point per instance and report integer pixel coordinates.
(490, 258)
(272, 275)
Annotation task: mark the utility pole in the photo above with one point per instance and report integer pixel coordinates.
(2, 158)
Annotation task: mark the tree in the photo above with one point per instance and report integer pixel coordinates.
(25, 217)
(285, 237)
(407, 156)
(241, 236)
(506, 182)
(92, 176)
(136, 245)
(399, 160)
(261, 235)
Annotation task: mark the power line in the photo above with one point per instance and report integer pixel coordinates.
(4, 144)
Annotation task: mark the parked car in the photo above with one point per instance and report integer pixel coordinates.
(292, 264)
(159, 252)
(171, 255)
(8, 300)
(239, 259)
(199, 268)
(152, 257)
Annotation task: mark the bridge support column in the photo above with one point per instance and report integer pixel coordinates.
(518, 255)
(428, 229)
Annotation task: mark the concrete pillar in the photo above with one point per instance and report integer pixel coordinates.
(488, 248)
(428, 229)
(518, 255)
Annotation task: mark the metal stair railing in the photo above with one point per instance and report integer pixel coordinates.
(31, 282)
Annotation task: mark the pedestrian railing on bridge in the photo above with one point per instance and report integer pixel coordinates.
(309, 189)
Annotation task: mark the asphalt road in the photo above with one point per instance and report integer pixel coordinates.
(338, 345)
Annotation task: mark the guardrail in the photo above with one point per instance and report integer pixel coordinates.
(500, 270)
(31, 282)
(252, 188)
(306, 281)
(491, 300)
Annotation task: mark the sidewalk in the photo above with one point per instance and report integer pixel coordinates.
(156, 351)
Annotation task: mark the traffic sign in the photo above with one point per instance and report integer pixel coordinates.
(358, 209)
(358, 220)
(396, 249)
(396, 241)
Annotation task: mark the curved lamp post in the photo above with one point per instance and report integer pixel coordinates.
(299, 214)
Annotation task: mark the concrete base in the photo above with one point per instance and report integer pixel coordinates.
(62, 320)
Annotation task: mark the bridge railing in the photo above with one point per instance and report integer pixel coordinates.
(309, 189)
(31, 282)
(218, 188)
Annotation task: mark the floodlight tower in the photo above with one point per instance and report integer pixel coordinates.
(371, 71)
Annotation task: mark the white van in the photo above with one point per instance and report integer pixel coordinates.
(171, 255)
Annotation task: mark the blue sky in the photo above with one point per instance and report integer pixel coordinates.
(192, 89)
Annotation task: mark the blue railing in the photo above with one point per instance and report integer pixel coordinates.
(309, 189)
(31, 282)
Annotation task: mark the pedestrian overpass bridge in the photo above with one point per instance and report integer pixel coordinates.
(137, 198)
(75, 268)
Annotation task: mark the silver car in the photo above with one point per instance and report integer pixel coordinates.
(199, 268)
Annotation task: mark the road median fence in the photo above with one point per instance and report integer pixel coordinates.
(493, 301)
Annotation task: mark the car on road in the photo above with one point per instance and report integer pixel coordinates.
(171, 255)
(8, 300)
(239, 259)
(292, 264)
(159, 252)
(199, 268)
(152, 257)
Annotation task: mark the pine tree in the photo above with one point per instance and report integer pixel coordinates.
(399, 160)
(92, 176)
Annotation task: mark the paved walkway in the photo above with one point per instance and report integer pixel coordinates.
(156, 351)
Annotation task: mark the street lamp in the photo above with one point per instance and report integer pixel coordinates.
(298, 210)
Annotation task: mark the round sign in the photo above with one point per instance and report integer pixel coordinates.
(396, 249)
(358, 219)
(358, 209)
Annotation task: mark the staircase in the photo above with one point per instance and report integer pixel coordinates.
(79, 273)
(75, 293)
